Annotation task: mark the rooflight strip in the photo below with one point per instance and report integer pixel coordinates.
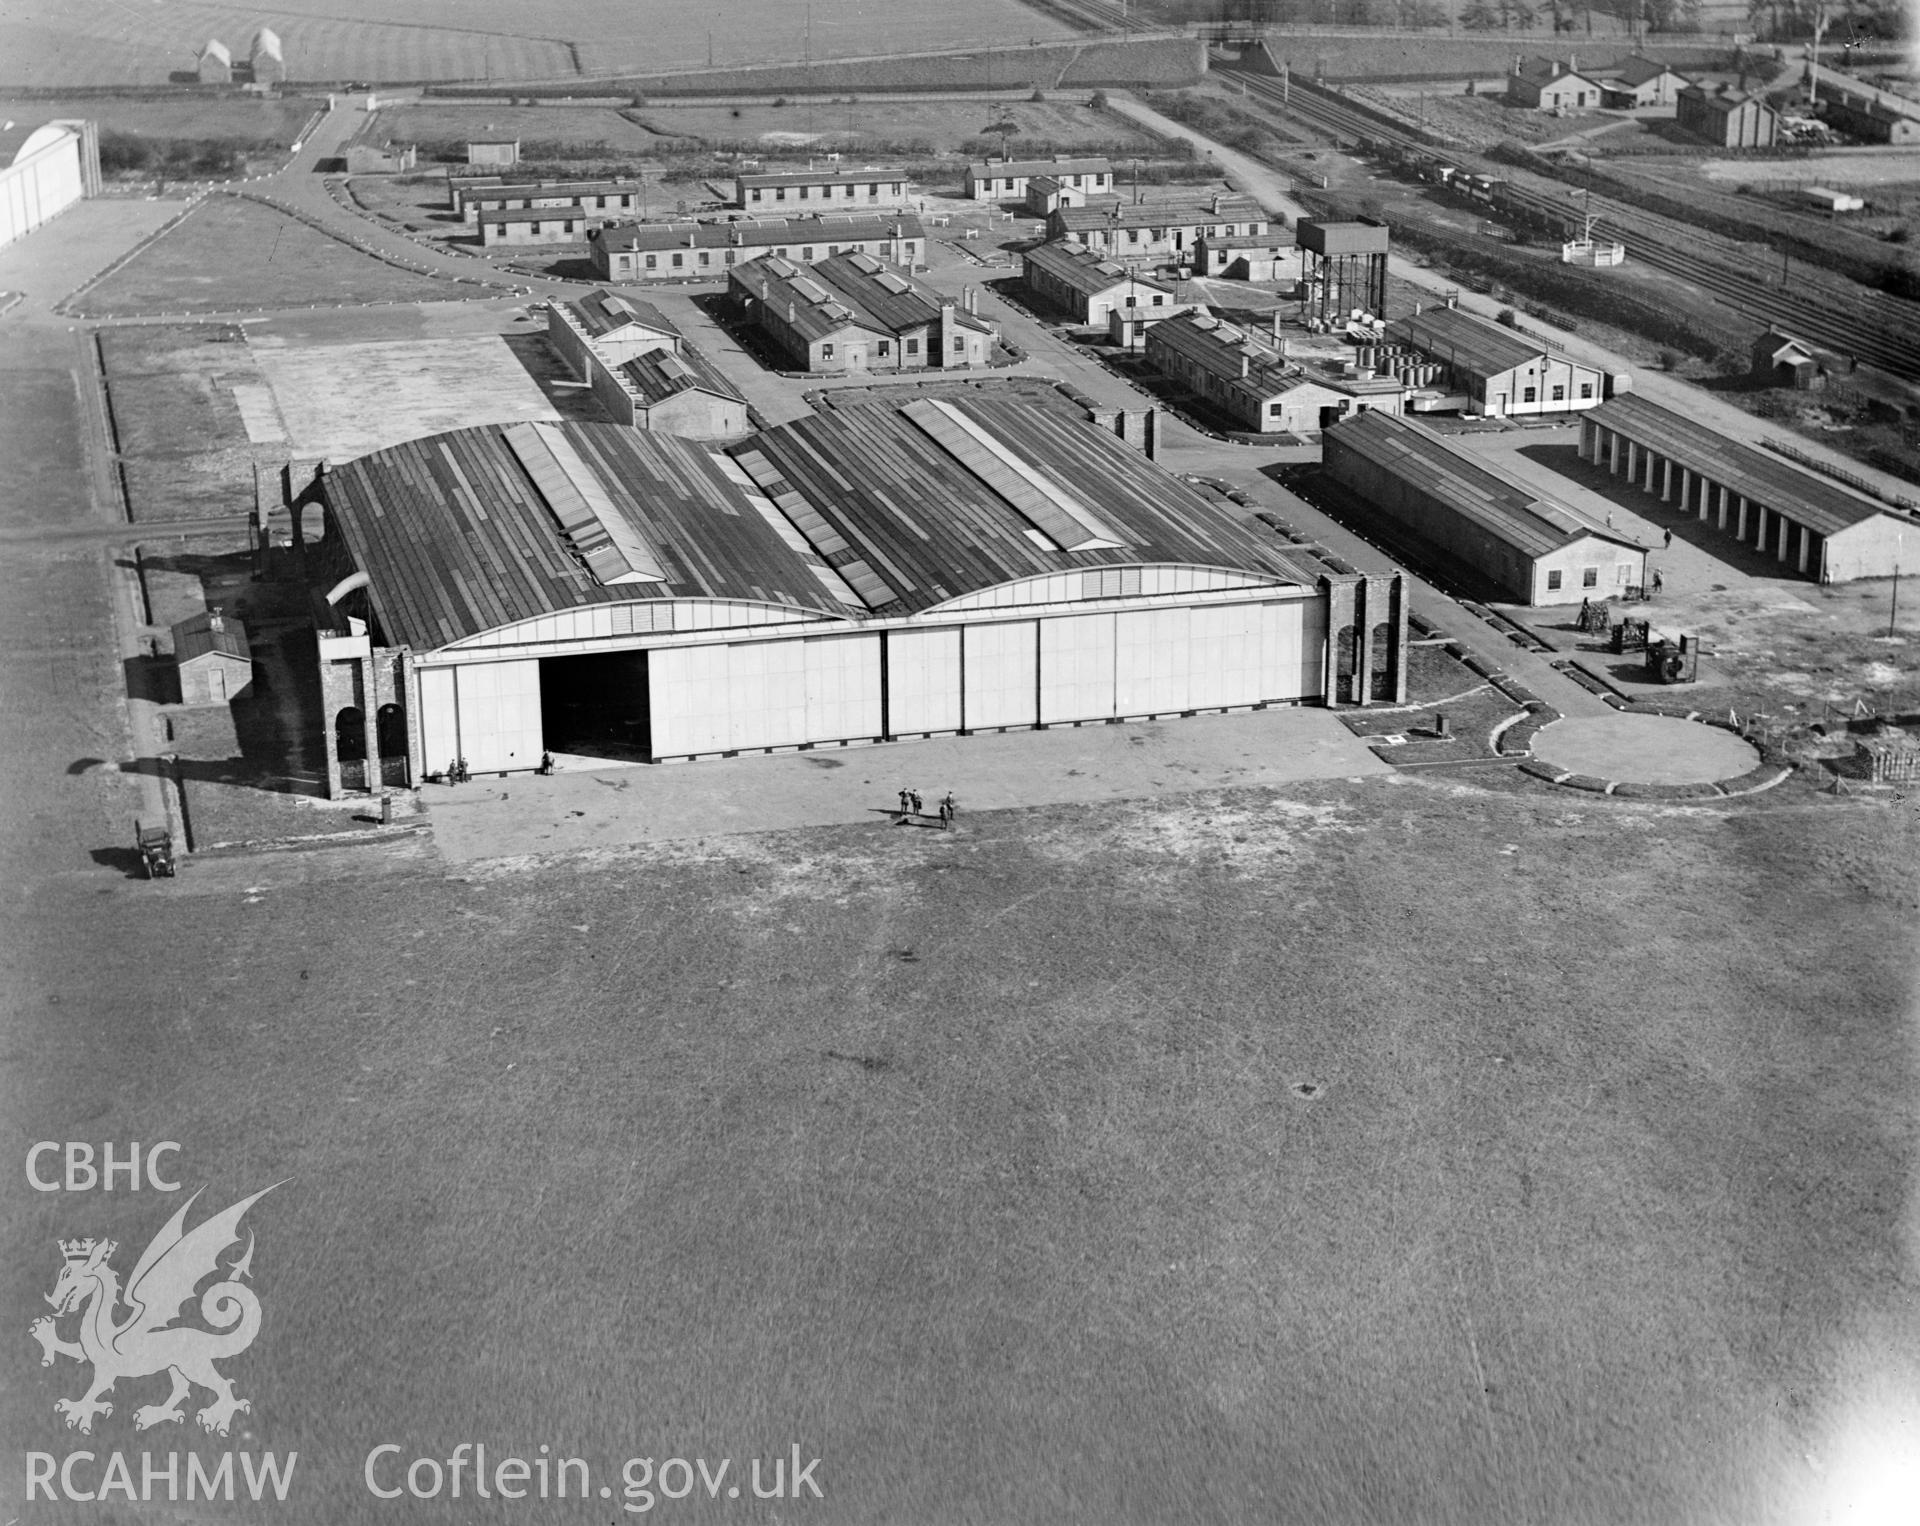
(1065, 519)
(609, 542)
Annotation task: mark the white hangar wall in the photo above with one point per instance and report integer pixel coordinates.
(750, 688)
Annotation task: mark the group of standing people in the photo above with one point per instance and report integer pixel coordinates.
(912, 807)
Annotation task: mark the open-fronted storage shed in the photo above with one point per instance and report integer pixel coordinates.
(1808, 523)
(873, 573)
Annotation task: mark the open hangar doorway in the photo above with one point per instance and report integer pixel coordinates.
(596, 705)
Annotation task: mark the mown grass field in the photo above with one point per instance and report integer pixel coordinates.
(249, 118)
(1357, 1153)
(231, 254)
(943, 126)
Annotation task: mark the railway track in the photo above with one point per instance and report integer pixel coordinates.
(1878, 330)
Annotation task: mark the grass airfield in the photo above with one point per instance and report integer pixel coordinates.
(1380, 1151)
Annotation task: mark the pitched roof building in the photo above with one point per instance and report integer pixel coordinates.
(685, 250)
(643, 371)
(854, 312)
(1259, 382)
(1501, 370)
(822, 189)
(1075, 279)
(1727, 119)
(1157, 229)
(1008, 179)
(1546, 84)
(1536, 549)
(1637, 82)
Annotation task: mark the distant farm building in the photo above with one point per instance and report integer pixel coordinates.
(1807, 523)
(216, 64)
(856, 576)
(1256, 382)
(1502, 371)
(502, 151)
(1010, 179)
(817, 190)
(1163, 230)
(642, 371)
(269, 64)
(679, 251)
(213, 658)
(381, 158)
(1537, 550)
(1859, 110)
(1546, 84)
(853, 313)
(1074, 279)
(1727, 119)
(1636, 82)
(43, 171)
(471, 195)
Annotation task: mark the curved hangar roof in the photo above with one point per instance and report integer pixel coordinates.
(871, 511)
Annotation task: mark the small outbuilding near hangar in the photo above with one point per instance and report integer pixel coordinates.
(1537, 550)
(213, 658)
(867, 574)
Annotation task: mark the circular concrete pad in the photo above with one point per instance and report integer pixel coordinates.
(1645, 749)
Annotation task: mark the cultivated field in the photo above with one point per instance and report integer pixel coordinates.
(1352, 1153)
(48, 45)
(231, 254)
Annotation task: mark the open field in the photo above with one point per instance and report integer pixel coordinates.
(944, 126)
(596, 130)
(231, 254)
(249, 118)
(1390, 1150)
(47, 45)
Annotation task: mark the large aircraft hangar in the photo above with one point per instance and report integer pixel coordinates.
(868, 574)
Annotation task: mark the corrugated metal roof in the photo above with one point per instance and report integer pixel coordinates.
(895, 499)
(1466, 342)
(1805, 497)
(457, 540)
(1504, 506)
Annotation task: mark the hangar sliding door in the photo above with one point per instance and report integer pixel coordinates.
(1151, 661)
(923, 681)
(439, 721)
(1076, 668)
(752, 695)
(1002, 675)
(499, 715)
(843, 687)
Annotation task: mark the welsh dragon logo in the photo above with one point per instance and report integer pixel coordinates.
(148, 1341)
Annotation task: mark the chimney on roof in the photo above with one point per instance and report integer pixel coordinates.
(1573, 63)
(1246, 364)
(1276, 331)
(791, 312)
(1216, 203)
(214, 622)
(1556, 68)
